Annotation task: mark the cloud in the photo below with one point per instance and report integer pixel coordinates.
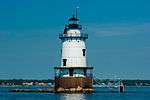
(117, 29)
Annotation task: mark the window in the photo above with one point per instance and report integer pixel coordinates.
(83, 50)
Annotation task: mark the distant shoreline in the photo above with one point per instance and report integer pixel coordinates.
(50, 82)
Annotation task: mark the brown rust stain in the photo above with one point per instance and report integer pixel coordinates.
(73, 82)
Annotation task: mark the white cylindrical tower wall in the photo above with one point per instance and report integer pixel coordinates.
(73, 50)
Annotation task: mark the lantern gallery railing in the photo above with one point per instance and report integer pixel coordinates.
(82, 35)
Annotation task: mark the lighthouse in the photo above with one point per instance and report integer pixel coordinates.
(73, 74)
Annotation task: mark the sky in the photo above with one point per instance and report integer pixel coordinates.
(118, 44)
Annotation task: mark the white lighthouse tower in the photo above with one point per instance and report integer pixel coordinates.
(73, 71)
(73, 45)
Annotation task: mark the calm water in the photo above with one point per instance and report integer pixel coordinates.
(131, 93)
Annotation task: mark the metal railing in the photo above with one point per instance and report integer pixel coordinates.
(82, 35)
(62, 72)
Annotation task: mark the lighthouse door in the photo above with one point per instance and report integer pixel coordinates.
(64, 62)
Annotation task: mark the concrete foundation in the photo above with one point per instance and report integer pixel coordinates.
(73, 84)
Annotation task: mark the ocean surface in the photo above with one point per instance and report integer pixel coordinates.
(131, 93)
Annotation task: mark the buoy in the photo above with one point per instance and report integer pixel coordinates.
(121, 87)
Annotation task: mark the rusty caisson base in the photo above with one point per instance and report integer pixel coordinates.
(73, 85)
